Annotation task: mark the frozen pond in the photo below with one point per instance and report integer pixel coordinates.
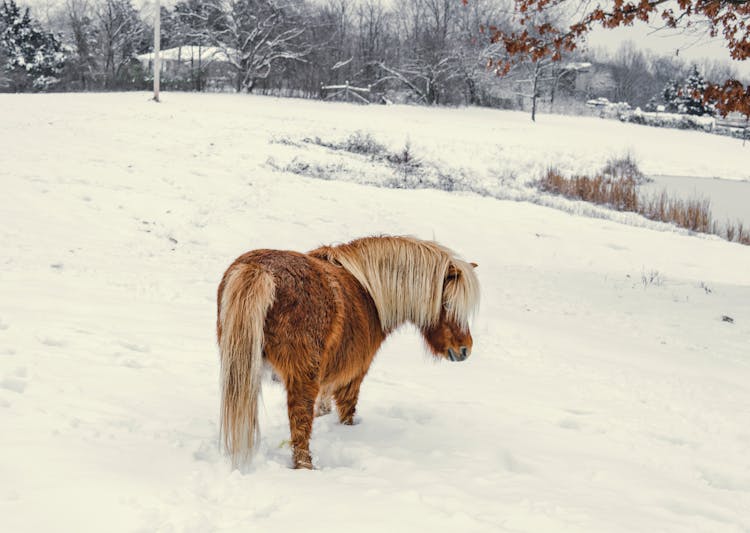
(730, 199)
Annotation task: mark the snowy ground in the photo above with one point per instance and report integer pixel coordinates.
(605, 393)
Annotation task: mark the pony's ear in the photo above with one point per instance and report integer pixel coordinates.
(453, 272)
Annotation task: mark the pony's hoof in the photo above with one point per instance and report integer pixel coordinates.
(302, 460)
(351, 421)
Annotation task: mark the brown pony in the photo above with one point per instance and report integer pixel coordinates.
(319, 318)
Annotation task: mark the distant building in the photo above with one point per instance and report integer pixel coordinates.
(196, 68)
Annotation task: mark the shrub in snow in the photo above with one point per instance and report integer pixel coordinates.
(652, 277)
(405, 159)
(670, 120)
(404, 170)
(607, 108)
(357, 143)
(624, 167)
(652, 105)
(363, 143)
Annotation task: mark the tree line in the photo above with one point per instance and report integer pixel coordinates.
(421, 51)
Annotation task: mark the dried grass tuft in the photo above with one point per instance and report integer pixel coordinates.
(616, 186)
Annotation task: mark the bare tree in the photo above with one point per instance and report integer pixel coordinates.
(531, 74)
(120, 33)
(254, 35)
(429, 59)
(630, 73)
(330, 38)
(77, 24)
(190, 25)
(373, 34)
(475, 53)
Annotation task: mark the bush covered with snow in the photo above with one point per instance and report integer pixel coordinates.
(670, 120)
(30, 59)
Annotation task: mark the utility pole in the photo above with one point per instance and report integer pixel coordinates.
(157, 50)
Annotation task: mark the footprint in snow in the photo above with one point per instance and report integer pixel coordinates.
(134, 347)
(15, 382)
(569, 423)
(54, 342)
(208, 452)
(578, 412)
(131, 363)
(512, 464)
(412, 414)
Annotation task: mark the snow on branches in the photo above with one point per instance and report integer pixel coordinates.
(29, 57)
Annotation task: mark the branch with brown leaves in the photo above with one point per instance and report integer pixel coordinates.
(535, 40)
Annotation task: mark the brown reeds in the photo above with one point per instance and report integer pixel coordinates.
(616, 186)
(618, 193)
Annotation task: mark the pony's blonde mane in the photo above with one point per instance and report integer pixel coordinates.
(409, 279)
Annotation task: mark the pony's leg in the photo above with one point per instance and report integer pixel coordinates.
(346, 400)
(300, 399)
(323, 403)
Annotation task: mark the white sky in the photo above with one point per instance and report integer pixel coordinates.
(692, 46)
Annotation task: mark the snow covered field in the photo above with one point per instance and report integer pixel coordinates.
(604, 394)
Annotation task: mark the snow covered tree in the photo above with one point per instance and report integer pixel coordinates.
(121, 35)
(30, 59)
(692, 93)
(430, 60)
(81, 37)
(629, 69)
(671, 96)
(688, 97)
(191, 24)
(255, 36)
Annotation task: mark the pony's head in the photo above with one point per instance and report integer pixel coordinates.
(449, 336)
(411, 280)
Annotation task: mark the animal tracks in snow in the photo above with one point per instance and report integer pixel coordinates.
(53, 342)
(15, 382)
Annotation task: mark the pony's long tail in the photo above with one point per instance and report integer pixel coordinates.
(248, 293)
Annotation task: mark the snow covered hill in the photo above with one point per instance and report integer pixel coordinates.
(605, 392)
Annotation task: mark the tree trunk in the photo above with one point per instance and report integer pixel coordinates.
(534, 92)
(552, 95)
(473, 95)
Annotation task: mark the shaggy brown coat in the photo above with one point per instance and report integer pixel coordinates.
(319, 318)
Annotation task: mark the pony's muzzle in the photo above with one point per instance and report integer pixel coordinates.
(462, 354)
